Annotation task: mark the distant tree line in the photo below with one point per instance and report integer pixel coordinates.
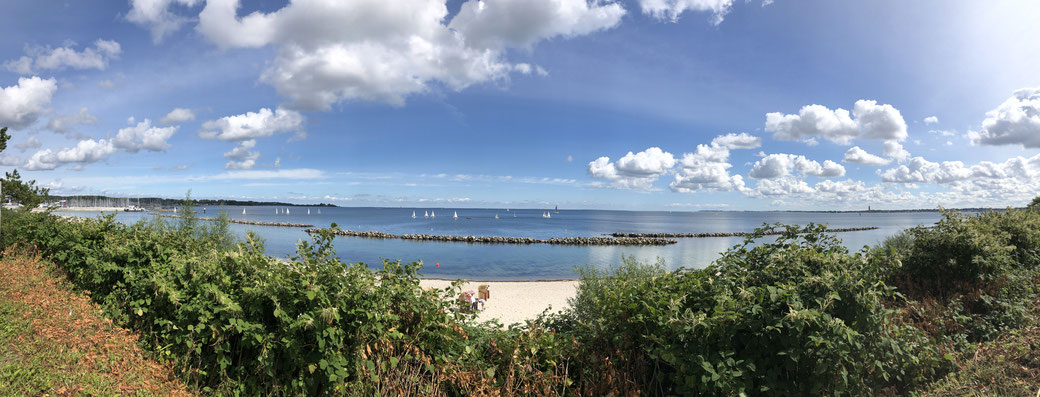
(88, 200)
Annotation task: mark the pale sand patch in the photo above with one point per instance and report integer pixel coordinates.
(516, 301)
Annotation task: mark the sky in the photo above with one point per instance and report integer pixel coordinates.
(679, 105)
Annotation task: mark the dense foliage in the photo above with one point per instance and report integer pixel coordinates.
(14, 189)
(797, 314)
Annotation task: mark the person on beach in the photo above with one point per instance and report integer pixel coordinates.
(474, 301)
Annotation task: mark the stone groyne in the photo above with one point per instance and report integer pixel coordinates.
(505, 240)
(257, 223)
(733, 234)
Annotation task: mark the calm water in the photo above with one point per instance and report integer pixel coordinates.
(539, 261)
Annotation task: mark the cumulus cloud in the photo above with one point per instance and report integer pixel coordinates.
(30, 143)
(241, 157)
(64, 123)
(22, 104)
(47, 58)
(737, 141)
(156, 16)
(143, 136)
(860, 156)
(177, 116)
(375, 50)
(634, 170)
(85, 152)
(780, 165)
(671, 9)
(931, 120)
(895, 150)
(1014, 122)
(252, 125)
(707, 169)
(868, 120)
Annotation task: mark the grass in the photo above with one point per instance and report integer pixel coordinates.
(1006, 366)
(55, 342)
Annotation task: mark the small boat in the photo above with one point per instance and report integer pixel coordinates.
(276, 211)
(548, 215)
(243, 211)
(456, 215)
(308, 211)
(557, 209)
(413, 214)
(496, 216)
(286, 211)
(427, 214)
(319, 211)
(433, 214)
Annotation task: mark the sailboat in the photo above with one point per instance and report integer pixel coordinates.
(426, 215)
(557, 209)
(308, 211)
(243, 211)
(456, 216)
(496, 216)
(548, 215)
(276, 211)
(433, 214)
(413, 214)
(319, 211)
(286, 211)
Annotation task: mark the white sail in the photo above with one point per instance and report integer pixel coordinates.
(433, 214)
(456, 216)
(286, 211)
(427, 214)
(319, 211)
(308, 211)
(496, 216)
(413, 214)
(243, 211)
(548, 215)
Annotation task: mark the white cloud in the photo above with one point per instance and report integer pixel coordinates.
(931, 120)
(782, 186)
(46, 58)
(634, 170)
(671, 9)
(10, 161)
(241, 158)
(252, 125)
(85, 152)
(868, 120)
(64, 123)
(895, 150)
(1014, 122)
(157, 17)
(706, 169)
(780, 165)
(177, 116)
(143, 136)
(296, 173)
(737, 141)
(860, 156)
(30, 143)
(375, 50)
(920, 170)
(22, 104)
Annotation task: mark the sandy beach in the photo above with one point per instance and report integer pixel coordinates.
(516, 301)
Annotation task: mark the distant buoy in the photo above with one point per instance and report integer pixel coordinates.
(438, 264)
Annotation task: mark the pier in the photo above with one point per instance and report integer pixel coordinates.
(504, 240)
(732, 234)
(257, 223)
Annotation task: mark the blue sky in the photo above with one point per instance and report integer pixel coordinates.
(529, 103)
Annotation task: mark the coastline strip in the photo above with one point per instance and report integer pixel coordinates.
(504, 240)
(257, 223)
(732, 234)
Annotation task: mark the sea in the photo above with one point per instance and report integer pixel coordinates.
(503, 262)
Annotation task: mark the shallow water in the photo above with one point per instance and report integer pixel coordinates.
(538, 261)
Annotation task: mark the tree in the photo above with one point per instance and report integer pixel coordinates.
(12, 188)
(1035, 205)
(25, 193)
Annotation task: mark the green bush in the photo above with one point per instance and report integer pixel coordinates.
(795, 316)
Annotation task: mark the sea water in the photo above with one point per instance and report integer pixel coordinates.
(536, 261)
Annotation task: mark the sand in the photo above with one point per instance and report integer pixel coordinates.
(516, 301)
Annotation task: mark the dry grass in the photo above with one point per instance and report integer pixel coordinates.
(56, 342)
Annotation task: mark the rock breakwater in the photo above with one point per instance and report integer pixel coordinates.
(257, 223)
(732, 234)
(504, 240)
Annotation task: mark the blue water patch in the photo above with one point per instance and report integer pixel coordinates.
(538, 261)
